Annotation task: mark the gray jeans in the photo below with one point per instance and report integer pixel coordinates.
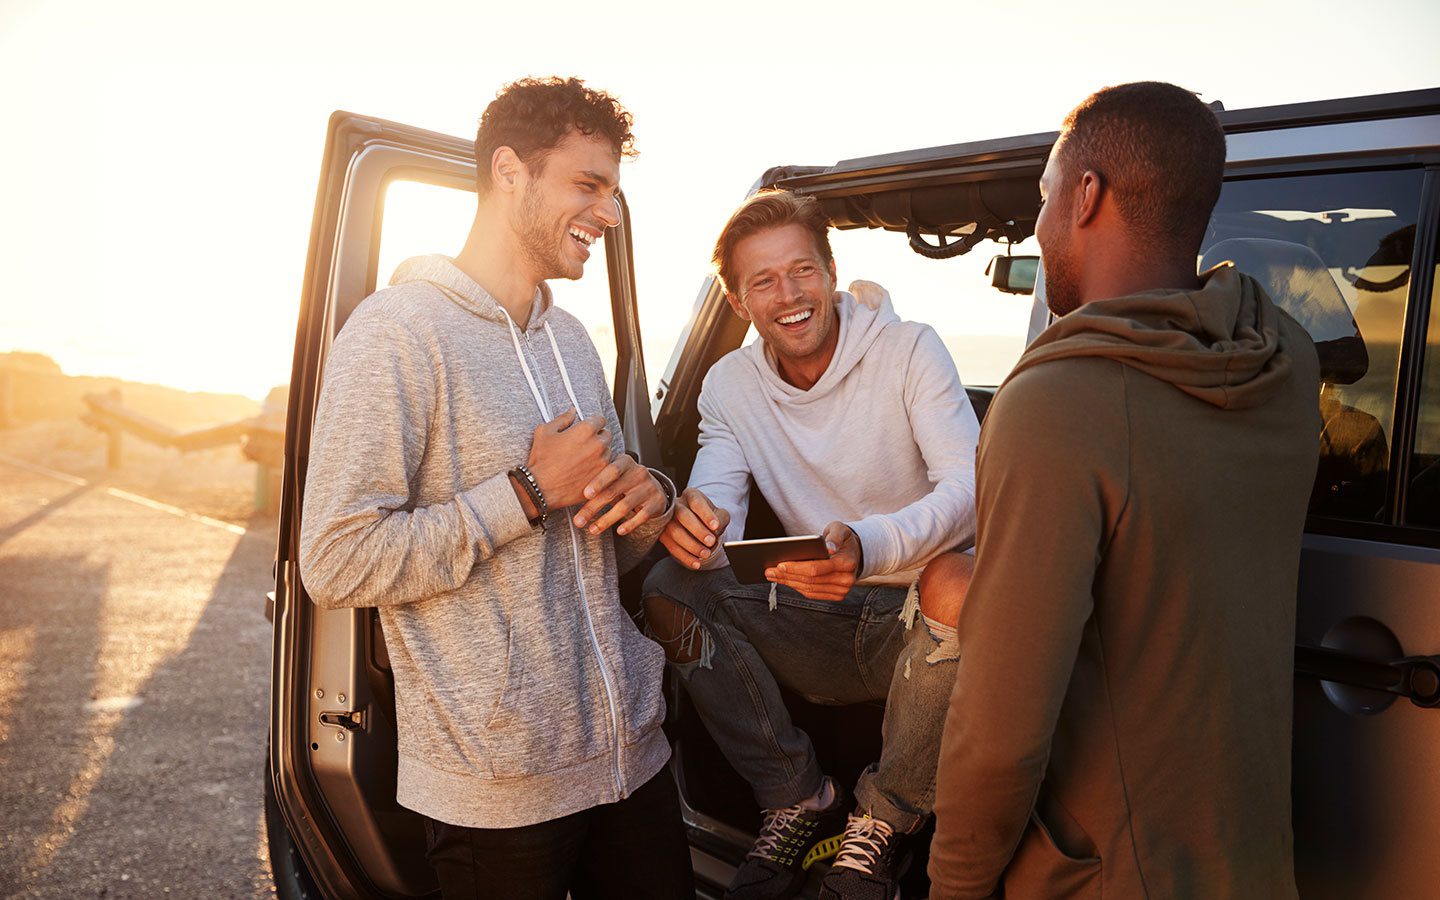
(872, 645)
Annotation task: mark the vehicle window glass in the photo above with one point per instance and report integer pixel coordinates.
(423, 218)
(1358, 229)
(983, 328)
(1422, 503)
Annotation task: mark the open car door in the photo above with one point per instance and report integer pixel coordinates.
(386, 191)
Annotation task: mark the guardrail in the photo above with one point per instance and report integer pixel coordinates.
(261, 437)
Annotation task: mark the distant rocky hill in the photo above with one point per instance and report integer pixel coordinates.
(38, 390)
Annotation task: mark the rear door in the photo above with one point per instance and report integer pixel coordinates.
(387, 192)
(1363, 197)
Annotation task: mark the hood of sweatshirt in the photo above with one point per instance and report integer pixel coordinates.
(859, 326)
(1220, 343)
(465, 292)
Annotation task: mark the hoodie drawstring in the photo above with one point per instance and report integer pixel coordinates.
(530, 378)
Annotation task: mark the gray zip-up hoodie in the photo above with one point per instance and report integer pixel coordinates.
(523, 690)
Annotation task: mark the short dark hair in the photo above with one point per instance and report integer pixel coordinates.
(769, 209)
(1158, 148)
(533, 115)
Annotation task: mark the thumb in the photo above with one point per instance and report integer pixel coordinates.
(834, 535)
(562, 421)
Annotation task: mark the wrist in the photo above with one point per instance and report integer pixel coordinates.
(523, 496)
(536, 509)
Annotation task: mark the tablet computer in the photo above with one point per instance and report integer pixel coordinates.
(750, 559)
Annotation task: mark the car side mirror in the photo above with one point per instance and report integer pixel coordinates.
(1013, 274)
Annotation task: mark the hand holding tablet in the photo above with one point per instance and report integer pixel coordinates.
(750, 559)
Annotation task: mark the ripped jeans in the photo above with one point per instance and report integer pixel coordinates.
(872, 645)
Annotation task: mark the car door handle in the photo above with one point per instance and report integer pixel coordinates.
(1417, 678)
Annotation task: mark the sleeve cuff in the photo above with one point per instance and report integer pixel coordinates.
(873, 549)
(670, 492)
(497, 510)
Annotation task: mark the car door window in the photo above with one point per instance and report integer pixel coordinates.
(422, 218)
(1422, 501)
(1357, 228)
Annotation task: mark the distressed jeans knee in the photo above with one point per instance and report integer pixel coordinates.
(687, 643)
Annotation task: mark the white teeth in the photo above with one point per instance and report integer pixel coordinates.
(800, 316)
(583, 237)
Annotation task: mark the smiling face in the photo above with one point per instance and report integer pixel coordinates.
(787, 289)
(566, 202)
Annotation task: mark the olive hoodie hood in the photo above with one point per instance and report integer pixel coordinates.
(1219, 343)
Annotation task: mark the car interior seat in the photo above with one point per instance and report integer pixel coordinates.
(1354, 455)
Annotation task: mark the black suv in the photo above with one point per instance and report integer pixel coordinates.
(1336, 205)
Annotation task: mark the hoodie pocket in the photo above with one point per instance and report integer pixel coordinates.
(643, 663)
(1040, 869)
(553, 712)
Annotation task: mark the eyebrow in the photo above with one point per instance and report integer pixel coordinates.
(794, 262)
(600, 177)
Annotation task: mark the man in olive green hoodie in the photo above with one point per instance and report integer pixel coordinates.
(1120, 724)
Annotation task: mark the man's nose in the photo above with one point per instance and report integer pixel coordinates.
(608, 211)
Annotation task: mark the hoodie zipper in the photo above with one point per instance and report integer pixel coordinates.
(579, 577)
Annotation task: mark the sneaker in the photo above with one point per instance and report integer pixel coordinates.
(791, 841)
(868, 866)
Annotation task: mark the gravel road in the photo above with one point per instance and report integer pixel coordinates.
(134, 663)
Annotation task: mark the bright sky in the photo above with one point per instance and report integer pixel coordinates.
(162, 157)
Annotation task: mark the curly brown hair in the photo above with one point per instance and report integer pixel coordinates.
(771, 208)
(533, 115)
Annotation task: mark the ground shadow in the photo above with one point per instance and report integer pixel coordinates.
(175, 810)
(50, 608)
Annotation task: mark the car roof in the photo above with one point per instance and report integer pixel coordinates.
(1028, 146)
(993, 181)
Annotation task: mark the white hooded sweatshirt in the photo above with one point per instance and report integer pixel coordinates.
(884, 442)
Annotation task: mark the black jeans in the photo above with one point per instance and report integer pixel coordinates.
(630, 850)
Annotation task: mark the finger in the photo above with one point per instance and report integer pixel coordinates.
(560, 422)
(617, 511)
(813, 590)
(681, 537)
(812, 568)
(671, 539)
(703, 510)
(602, 480)
(643, 513)
(594, 423)
(836, 580)
(602, 490)
(695, 527)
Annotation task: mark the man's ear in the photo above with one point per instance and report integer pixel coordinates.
(1091, 190)
(737, 306)
(505, 169)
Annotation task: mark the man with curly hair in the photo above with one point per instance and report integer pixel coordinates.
(467, 476)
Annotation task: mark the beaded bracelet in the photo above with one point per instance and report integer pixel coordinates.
(523, 475)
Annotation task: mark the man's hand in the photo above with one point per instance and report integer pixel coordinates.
(868, 293)
(824, 579)
(566, 455)
(628, 489)
(693, 535)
